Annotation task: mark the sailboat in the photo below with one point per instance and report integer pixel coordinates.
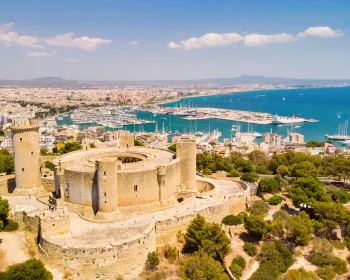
(341, 134)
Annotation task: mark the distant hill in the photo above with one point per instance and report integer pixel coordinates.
(245, 79)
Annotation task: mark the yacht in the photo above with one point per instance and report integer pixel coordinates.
(286, 120)
(341, 133)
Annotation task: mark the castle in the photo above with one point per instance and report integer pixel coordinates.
(111, 203)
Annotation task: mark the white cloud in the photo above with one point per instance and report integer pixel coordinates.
(6, 26)
(37, 54)
(208, 40)
(54, 52)
(173, 45)
(12, 38)
(253, 40)
(250, 40)
(71, 60)
(133, 43)
(321, 31)
(68, 40)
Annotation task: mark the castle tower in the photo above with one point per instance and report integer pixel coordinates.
(186, 151)
(161, 172)
(126, 140)
(107, 189)
(25, 139)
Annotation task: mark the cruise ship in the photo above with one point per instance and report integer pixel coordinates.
(286, 120)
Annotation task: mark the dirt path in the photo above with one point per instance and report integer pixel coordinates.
(251, 268)
(14, 248)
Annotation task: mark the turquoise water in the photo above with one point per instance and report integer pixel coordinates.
(328, 105)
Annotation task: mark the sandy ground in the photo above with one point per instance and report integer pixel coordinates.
(15, 248)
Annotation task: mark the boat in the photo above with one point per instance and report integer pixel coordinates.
(297, 126)
(286, 120)
(283, 99)
(341, 133)
(256, 134)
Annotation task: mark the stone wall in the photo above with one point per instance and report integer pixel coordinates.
(126, 257)
(48, 184)
(7, 184)
(213, 213)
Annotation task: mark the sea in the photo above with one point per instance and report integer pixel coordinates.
(331, 106)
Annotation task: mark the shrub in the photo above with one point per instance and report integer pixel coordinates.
(152, 260)
(138, 143)
(326, 273)
(30, 269)
(232, 220)
(236, 270)
(170, 253)
(338, 244)
(299, 274)
(274, 200)
(233, 173)
(249, 248)
(240, 261)
(339, 265)
(243, 215)
(259, 208)
(202, 266)
(268, 185)
(250, 177)
(266, 271)
(10, 225)
(207, 171)
(256, 226)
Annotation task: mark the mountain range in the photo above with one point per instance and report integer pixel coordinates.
(245, 79)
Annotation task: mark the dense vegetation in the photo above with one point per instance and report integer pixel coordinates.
(209, 245)
(5, 223)
(296, 164)
(28, 270)
(67, 148)
(6, 162)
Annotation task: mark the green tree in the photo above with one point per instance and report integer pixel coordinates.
(200, 266)
(138, 143)
(172, 148)
(299, 274)
(4, 209)
(208, 236)
(259, 208)
(69, 147)
(29, 270)
(307, 190)
(326, 273)
(6, 162)
(152, 260)
(250, 177)
(232, 220)
(170, 253)
(256, 226)
(233, 173)
(274, 200)
(268, 185)
(299, 228)
(283, 171)
(250, 248)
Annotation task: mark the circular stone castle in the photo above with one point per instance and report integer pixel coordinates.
(111, 182)
(113, 205)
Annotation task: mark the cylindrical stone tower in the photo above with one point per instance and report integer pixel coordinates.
(161, 172)
(107, 189)
(186, 151)
(25, 141)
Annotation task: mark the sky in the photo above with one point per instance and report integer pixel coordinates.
(174, 39)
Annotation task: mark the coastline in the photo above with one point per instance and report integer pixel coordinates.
(250, 90)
